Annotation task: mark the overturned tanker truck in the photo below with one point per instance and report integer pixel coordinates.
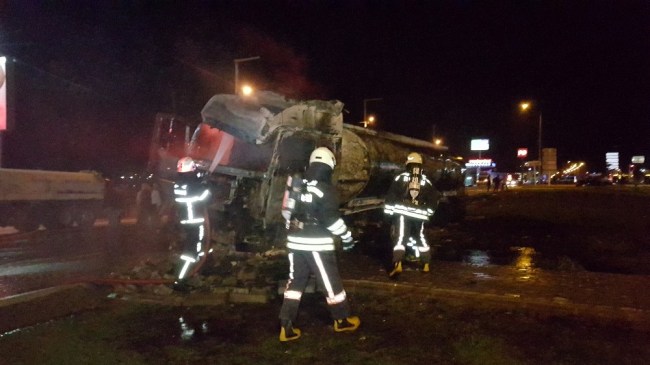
(248, 146)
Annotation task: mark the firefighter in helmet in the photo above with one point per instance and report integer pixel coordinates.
(191, 194)
(411, 201)
(310, 242)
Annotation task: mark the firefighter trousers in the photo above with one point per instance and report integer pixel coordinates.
(323, 264)
(409, 232)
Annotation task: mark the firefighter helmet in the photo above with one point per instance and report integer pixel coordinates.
(186, 164)
(414, 157)
(324, 155)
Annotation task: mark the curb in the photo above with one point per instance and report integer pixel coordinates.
(43, 305)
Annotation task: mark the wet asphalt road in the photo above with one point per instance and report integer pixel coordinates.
(46, 258)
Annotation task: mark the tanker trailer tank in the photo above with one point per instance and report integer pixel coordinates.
(281, 133)
(371, 159)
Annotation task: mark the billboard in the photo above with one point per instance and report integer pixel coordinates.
(611, 159)
(522, 152)
(480, 162)
(3, 93)
(480, 144)
(638, 159)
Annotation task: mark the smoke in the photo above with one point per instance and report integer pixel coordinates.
(285, 70)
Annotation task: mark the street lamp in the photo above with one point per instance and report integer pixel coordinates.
(246, 90)
(365, 108)
(237, 62)
(369, 121)
(524, 107)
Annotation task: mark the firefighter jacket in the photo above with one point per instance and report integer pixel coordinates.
(320, 219)
(190, 191)
(402, 199)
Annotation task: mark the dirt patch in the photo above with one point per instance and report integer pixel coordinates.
(395, 329)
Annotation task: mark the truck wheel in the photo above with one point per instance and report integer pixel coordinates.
(65, 217)
(85, 217)
(23, 220)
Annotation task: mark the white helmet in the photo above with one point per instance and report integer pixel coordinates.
(414, 157)
(323, 155)
(185, 164)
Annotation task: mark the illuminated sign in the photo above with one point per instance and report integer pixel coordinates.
(611, 159)
(479, 162)
(638, 159)
(3, 94)
(522, 152)
(480, 144)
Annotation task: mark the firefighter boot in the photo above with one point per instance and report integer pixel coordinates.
(397, 269)
(347, 324)
(425, 268)
(287, 332)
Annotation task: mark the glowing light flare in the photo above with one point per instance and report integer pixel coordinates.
(524, 106)
(247, 90)
(573, 167)
(368, 122)
(524, 262)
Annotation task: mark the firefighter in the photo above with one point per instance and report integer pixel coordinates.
(191, 194)
(310, 241)
(411, 201)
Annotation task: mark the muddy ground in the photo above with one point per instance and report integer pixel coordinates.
(573, 230)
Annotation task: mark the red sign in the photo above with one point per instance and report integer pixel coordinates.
(3, 94)
(522, 152)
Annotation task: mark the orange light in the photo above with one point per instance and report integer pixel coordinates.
(247, 90)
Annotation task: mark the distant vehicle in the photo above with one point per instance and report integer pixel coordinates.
(565, 179)
(483, 178)
(513, 179)
(29, 198)
(594, 180)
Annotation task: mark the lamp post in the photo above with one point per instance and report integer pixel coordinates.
(237, 62)
(524, 107)
(365, 109)
(367, 122)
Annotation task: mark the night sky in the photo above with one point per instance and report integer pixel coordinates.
(89, 76)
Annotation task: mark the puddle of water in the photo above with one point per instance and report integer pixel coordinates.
(520, 258)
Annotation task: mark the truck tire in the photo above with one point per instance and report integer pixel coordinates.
(22, 219)
(51, 218)
(85, 217)
(65, 217)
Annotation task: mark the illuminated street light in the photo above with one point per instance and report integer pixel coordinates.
(365, 108)
(369, 121)
(437, 141)
(237, 62)
(524, 107)
(247, 90)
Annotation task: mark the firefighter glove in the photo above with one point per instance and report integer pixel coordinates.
(348, 242)
(348, 246)
(347, 237)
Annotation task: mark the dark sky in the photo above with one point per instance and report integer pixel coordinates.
(90, 75)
